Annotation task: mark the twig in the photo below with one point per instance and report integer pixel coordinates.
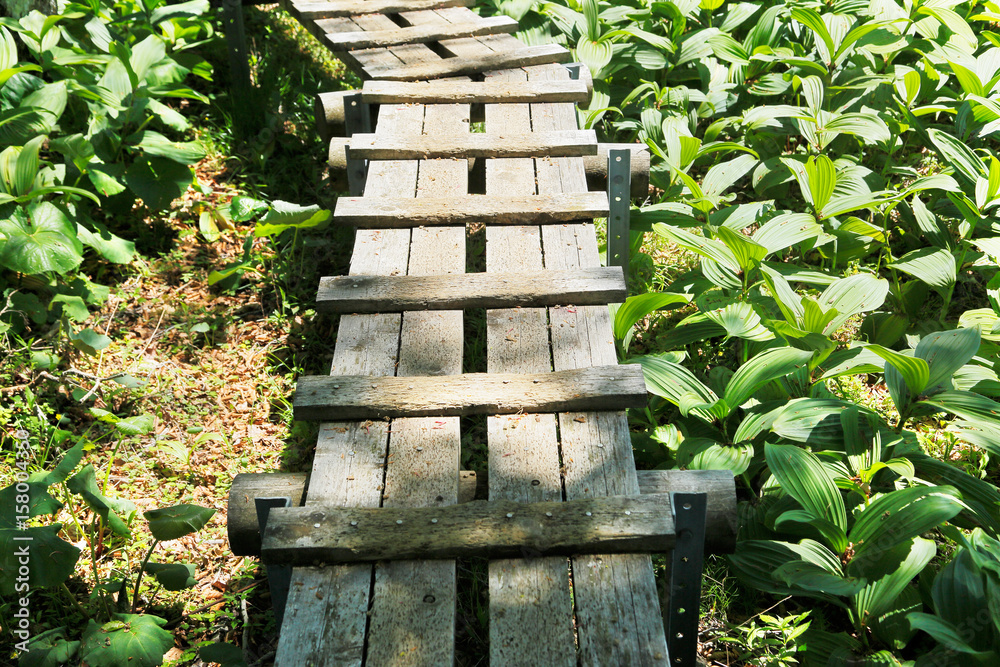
(263, 658)
(155, 329)
(246, 626)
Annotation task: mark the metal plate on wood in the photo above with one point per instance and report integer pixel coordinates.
(279, 575)
(619, 186)
(685, 577)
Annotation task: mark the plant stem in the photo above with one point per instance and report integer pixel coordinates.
(138, 577)
(72, 598)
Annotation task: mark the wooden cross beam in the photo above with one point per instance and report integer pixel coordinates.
(493, 529)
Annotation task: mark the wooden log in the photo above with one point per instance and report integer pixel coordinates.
(419, 34)
(311, 11)
(329, 112)
(596, 167)
(721, 525)
(506, 145)
(721, 521)
(390, 294)
(319, 397)
(241, 517)
(494, 529)
(473, 92)
(370, 212)
(520, 57)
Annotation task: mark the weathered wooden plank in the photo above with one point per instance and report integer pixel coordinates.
(423, 34)
(306, 11)
(719, 486)
(474, 92)
(491, 529)
(389, 294)
(327, 609)
(414, 609)
(531, 611)
(506, 145)
(320, 397)
(617, 608)
(525, 55)
(460, 210)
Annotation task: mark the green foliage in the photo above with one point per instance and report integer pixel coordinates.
(830, 171)
(87, 112)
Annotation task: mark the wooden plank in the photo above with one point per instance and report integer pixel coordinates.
(423, 34)
(327, 609)
(531, 611)
(389, 294)
(509, 145)
(525, 55)
(306, 11)
(414, 610)
(490, 529)
(320, 397)
(473, 92)
(617, 607)
(460, 210)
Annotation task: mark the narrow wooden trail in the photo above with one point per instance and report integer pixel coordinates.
(553, 392)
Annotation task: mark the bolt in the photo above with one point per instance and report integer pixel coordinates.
(434, 520)
(399, 522)
(509, 515)
(316, 525)
(548, 514)
(588, 514)
(628, 513)
(354, 523)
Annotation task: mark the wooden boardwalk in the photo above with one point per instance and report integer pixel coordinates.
(557, 430)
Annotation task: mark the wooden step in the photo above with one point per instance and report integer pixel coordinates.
(494, 529)
(473, 92)
(559, 143)
(393, 294)
(327, 398)
(381, 213)
(419, 34)
(305, 11)
(541, 54)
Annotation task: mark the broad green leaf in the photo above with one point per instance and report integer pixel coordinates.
(822, 179)
(170, 523)
(878, 596)
(73, 307)
(812, 19)
(762, 369)
(138, 425)
(786, 230)
(596, 55)
(705, 247)
(804, 477)
(958, 156)
(284, 216)
(172, 576)
(952, 20)
(741, 321)
(189, 9)
(137, 640)
(49, 649)
(856, 294)
(158, 181)
(28, 164)
(812, 577)
(46, 241)
(227, 655)
(705, 454)
(913, 371)
(184, 152)
(109, 246)
(723, 175)
(37, 503)
(789, 302)
(51, 560)
(84, 483)
(243, 209)
(965, 404)
(756, 561)
(945, 634)
(67, 464)
(934, 266)
(89, 341)
(946, 352)
(748, 253)
(896, 517)
(637, 307)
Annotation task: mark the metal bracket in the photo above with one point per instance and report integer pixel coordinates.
(619, 203)
(357, 120)
(279, 577)
(690, 510)
(573, 69)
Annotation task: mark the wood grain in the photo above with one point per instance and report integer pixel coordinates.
(524, 55)
(319, 397)
(422, 34)
(509, 145)
(493, 529)
(305, 11)
(473, 92)
(389, 294)
(489, 209)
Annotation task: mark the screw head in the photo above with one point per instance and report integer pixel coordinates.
(434, 520)
(316, 525)
(588, 513)
(509, 515)
(399, 522)
(548, 514)
(628, 512)
(354, 523)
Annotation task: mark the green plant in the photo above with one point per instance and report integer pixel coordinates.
(115, 634)
(770, 644)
